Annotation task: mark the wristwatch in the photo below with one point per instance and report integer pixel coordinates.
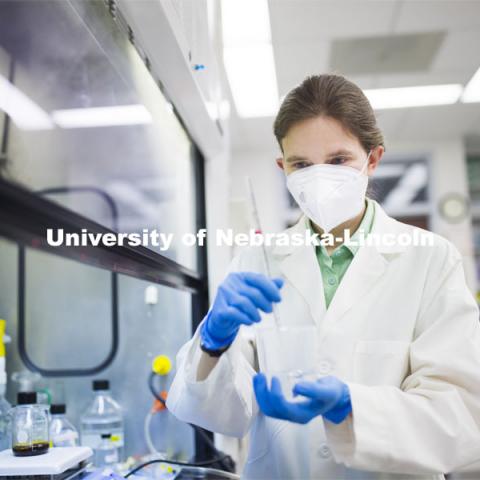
(214, 353)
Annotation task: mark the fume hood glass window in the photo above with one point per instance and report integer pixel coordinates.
(67, 322)
(89, 121)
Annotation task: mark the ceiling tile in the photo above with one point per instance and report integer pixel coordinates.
(428, 15)
(426, 78)
(459, 52)
(313, 20)
(296, 60)
(385, 54)
(439, 123)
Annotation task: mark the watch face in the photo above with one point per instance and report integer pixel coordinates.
(454, 207)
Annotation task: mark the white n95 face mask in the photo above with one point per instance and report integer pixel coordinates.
(329, 194)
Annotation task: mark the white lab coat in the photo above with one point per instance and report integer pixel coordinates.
(402, 331)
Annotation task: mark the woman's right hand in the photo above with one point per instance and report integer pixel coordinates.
(238, 299)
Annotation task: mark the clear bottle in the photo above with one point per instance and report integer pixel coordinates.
(5, 425)
(103, 416)
(30, 434)
(62, 431)
(106, 453)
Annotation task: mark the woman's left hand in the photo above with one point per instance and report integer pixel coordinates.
(327, 396)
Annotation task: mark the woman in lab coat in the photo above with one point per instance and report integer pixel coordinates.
(397, 328)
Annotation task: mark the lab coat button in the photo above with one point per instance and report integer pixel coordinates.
(332, 281)
(324, 451)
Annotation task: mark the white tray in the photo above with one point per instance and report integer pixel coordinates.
(55, 461)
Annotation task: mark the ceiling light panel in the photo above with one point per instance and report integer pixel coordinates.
(418, 96)
(102, 116)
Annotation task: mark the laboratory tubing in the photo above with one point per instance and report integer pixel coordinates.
(106, 453)
(103, 415)
(30, 434)
(62, 431)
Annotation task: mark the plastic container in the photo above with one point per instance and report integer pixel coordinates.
(103, 416)
(62, 431)
(106, 453)
(30, 434)
(289, 353)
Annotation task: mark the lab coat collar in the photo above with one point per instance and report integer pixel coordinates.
(300, 266)
(382, 224)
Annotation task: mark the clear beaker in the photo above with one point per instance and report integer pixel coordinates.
(287, 352)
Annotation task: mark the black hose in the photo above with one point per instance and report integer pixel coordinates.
(205, 463)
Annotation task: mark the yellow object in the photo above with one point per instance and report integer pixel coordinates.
(161, 365)
(3, 325)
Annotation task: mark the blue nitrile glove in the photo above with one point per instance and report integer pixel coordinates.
(237, 302)
(327, 396)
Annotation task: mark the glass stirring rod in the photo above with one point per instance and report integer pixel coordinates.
(258, 229)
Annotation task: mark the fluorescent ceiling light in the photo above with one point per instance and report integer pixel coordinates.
(24, 112)
(218, 110)
(248, 57)
(102, 116)
(421, 96)
(472, 90)
(251, 73)
(245, 22)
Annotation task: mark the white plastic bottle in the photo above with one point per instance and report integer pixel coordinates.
(103, 416)
(62, 432)
(106, 453)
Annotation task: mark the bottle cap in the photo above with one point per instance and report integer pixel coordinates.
(2, 334)
(100, 385)
(26, 398)
(58, 408)
(161, 365)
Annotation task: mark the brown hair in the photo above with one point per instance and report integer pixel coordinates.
(330, 96)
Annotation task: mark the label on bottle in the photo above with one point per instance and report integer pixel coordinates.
(93, 440)
(68, 438)
(112, 458)
(117, 439)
